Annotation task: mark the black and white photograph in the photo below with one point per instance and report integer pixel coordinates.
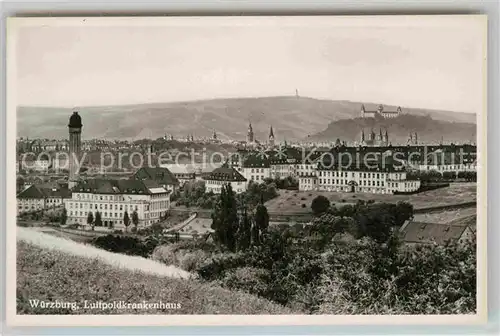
(288, 166)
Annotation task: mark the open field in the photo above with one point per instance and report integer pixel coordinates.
(291, 201)
(200, 225)
(66, 235)
(56, 276)
(445, 217)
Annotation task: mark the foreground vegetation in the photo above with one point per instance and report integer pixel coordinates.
(349, 260)
(52, 275)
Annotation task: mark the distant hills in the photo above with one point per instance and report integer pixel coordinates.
(292, 118)
(429, 130)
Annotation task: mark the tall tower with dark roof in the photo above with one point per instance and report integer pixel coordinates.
(75, 145)
(250, 138)
(271, 137)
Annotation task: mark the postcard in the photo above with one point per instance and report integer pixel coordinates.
(305, 170)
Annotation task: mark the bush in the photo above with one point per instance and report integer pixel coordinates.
(123, 244)
(183, 255)
(320, 204)
(247, 279)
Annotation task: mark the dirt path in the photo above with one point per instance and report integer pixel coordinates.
(132, 263)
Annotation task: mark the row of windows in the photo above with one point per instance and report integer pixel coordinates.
(307, 181)
(345, 182)
(104, 214)
(101, 206)
(84, 196)
(222, 182)
(257, 170)
(257, 177)
(40, 200)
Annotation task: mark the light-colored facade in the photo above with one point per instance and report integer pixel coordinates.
(112, 198)
(283, 170)
(223, 176)
(35, 198)
(462, 167)
(380, 112)
(307, 176)
(378, 182)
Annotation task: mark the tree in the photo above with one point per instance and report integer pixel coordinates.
(402, 212)
(98, 220)
(135, 219)
(90, 219)
(225, 218)
(126, 220)
(244, 235)
(64, 216)
(261, 218)
(320, 205)
(255, 233)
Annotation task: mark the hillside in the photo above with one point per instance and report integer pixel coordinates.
(47, 274)
(292, 118)
(429, 130)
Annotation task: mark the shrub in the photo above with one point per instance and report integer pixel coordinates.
(247, 279)
(320, 204)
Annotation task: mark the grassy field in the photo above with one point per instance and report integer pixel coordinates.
(198, 225)
(53, 275)
(446, 216)
(117, 260)
(291, 201)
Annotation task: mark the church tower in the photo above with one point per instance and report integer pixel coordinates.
(399, 111)
(416, 138)
(362, 137)
(372, 136)
(75, 145)
(362, 110)
(214, 136)
(386, 138)
(271, 137)
(250, 138)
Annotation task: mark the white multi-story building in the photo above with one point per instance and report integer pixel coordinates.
(380, 181)
(112, 198)
(307, 176)
(449, 161)
(255, 169)
(222, 176)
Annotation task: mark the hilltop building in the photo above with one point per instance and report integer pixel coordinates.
(380, 112)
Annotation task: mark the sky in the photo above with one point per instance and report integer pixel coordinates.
(438, 66)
